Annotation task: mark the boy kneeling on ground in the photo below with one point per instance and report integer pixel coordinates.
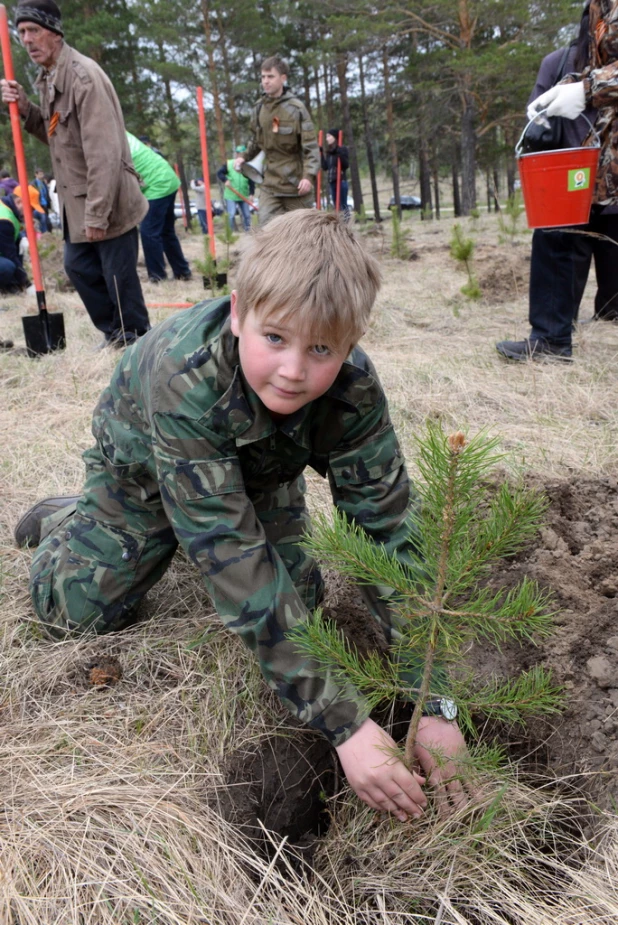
(201, 439)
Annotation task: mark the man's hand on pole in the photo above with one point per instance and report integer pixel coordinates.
(12, 92)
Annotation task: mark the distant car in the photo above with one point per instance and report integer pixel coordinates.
(217, 208)
(178, 209)
(407, 202)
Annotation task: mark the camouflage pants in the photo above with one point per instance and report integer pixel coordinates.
(96, 561)
(270, 205)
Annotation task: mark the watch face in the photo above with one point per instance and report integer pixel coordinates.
(448, 708)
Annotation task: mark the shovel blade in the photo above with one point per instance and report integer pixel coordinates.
(44, 333)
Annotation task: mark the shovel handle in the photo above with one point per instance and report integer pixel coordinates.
(20, 157)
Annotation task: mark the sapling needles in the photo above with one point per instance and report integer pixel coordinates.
(440, 598)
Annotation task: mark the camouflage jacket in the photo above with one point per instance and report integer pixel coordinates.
(283, 129)
(601, 91)
(178, 419)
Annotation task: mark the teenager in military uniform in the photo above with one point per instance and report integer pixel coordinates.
(282, 128)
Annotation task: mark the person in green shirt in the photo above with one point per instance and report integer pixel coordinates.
(237, 189)
(159, 239)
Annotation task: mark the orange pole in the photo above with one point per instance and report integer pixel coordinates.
(20, 157)
(338, 196)
(204, 145)
(182, 201)
(318, 185)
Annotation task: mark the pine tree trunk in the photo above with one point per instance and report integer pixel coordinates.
(368, 145)
(318, 98)
(390, 124)
(214, 86)
(330, 109)
(436, 183)
(357, 193)
(184, 189)
(468, 154)
(456, 195)
(425, 177)
(229, 90)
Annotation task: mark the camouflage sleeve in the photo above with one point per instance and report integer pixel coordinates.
(370, 485)
(212, 516)
(601, 83)
(309, 144)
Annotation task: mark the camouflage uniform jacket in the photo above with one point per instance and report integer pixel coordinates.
(283, 129)
(179, 419)
(601, 92)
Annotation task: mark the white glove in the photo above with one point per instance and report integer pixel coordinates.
(567, 100)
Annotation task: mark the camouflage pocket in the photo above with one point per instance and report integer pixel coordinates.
(206, 478)
(369, 462)
(82, 573)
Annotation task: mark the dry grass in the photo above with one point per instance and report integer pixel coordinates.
(107, 796)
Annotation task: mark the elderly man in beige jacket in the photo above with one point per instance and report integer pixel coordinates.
(101, 204)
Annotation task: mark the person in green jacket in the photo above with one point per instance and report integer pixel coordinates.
(159, 185)
(237, 190)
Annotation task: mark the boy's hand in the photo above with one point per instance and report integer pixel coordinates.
(379, 778)
(438, 745)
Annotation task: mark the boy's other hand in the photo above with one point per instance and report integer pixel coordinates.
(304, 187)
(377, 776)
(439, 745)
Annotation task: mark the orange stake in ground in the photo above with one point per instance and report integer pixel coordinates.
(204, 146)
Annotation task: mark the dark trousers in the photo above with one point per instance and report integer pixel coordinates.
(159, 237)
(105, 276)
(560, 263)
(343, 196)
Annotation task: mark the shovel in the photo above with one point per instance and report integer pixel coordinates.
(44, 332)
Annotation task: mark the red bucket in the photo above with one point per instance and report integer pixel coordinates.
(557, 185)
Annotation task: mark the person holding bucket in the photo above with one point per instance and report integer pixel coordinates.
(560, 260)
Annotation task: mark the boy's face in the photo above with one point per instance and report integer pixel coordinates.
(285, 369)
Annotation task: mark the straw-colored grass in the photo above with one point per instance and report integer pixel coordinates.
(108, 798)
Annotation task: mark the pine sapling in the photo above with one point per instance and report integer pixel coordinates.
(399, 248)
(462, 249)
(440, 598)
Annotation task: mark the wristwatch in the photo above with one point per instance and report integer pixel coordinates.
(441, 706)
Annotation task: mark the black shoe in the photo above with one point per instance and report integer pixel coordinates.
(157, 279)
(28, 529)
(533, 349)
(6, 344)
(185, 277)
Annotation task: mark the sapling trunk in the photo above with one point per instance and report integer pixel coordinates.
(456, 443)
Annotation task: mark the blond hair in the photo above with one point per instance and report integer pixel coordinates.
(309, 268)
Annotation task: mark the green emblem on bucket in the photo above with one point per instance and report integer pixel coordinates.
(579, 179)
